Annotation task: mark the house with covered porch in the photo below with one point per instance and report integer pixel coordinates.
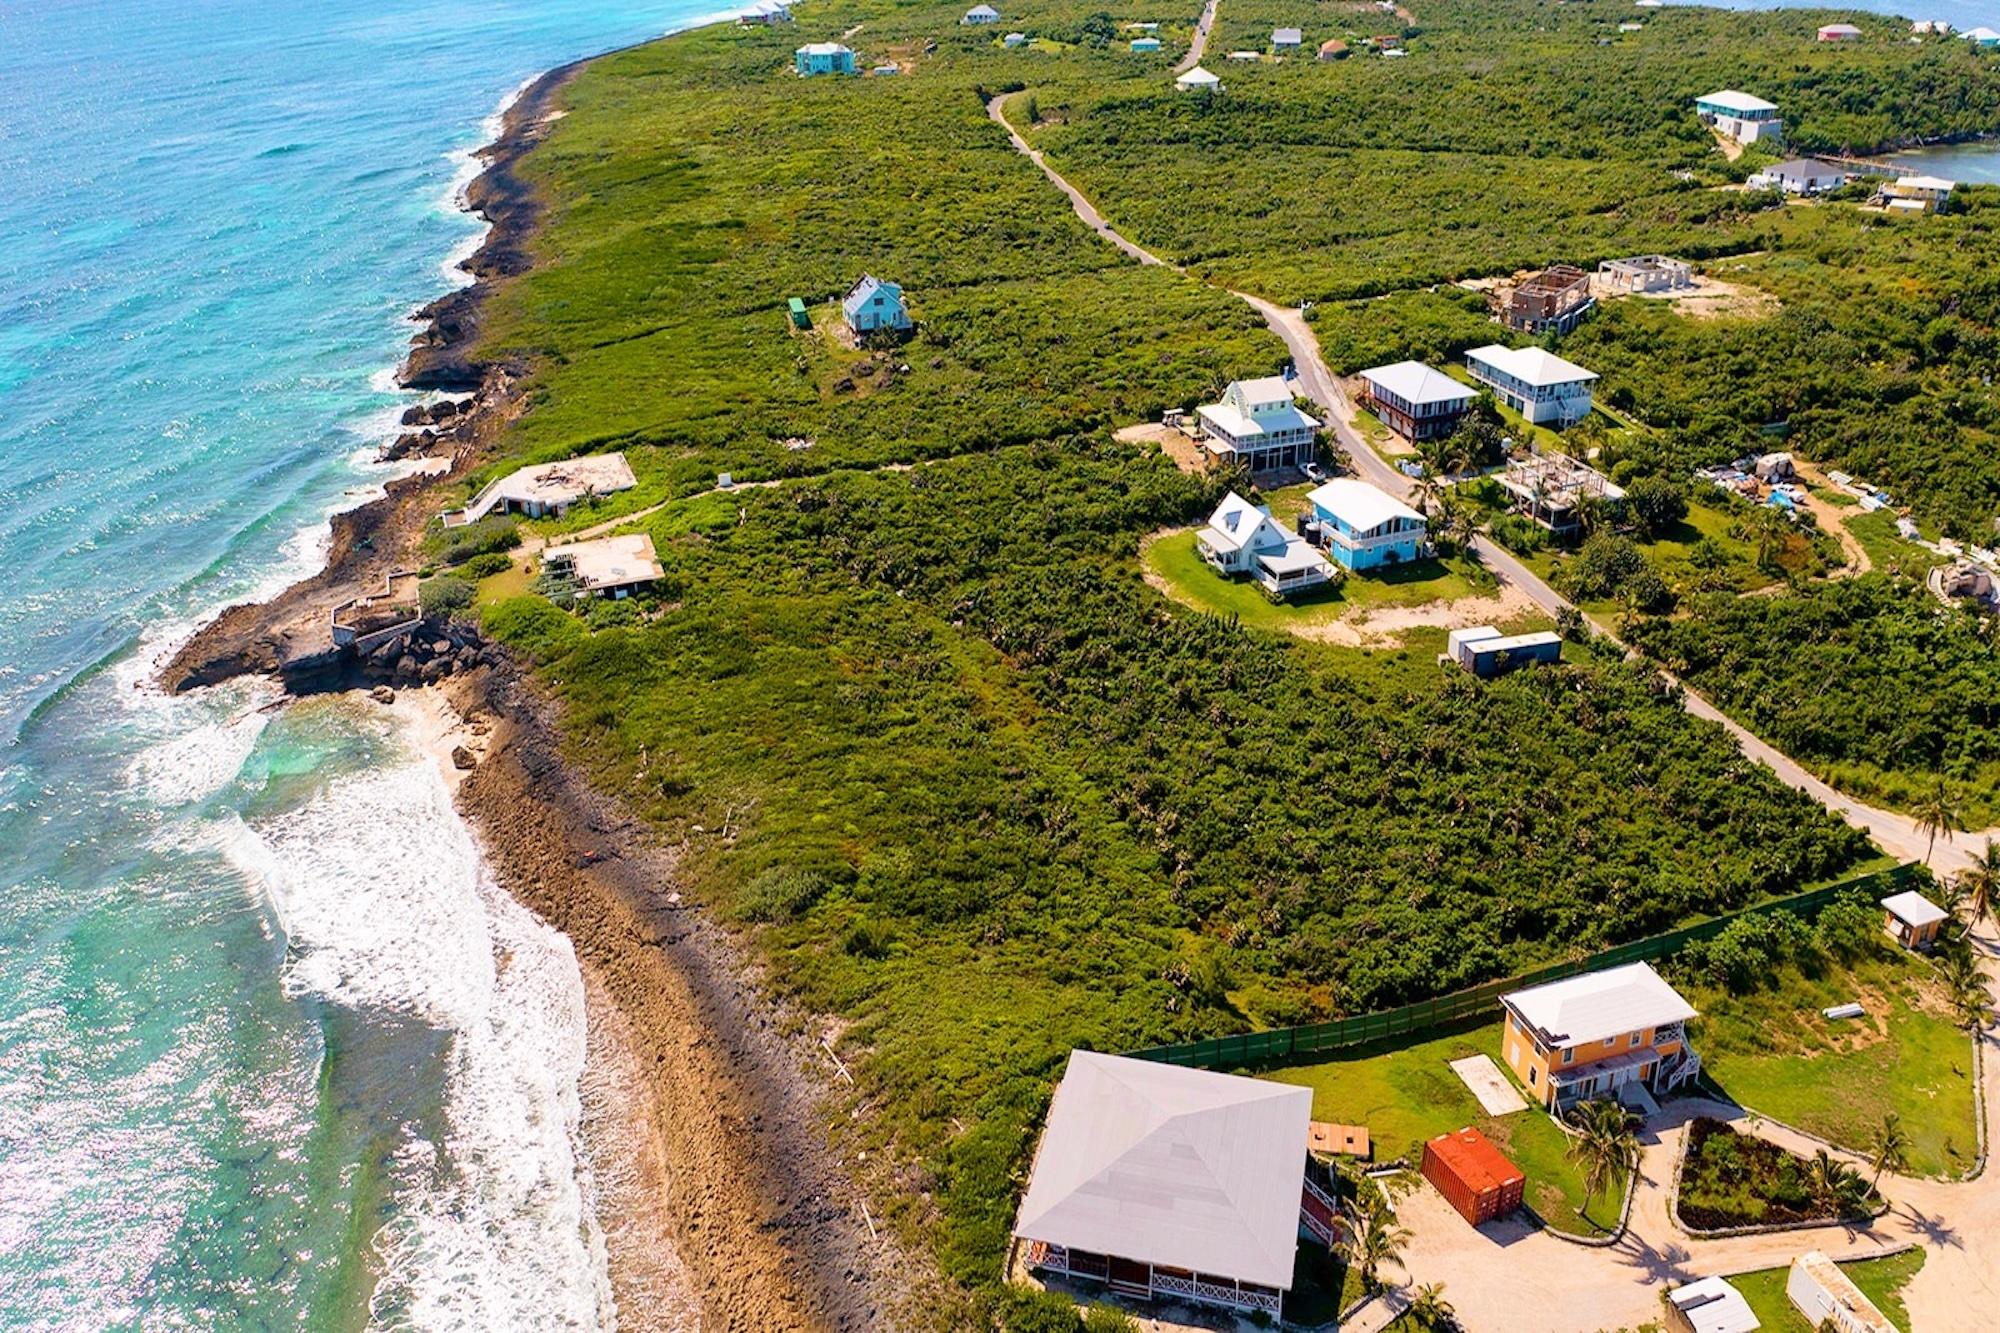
(1363, 527)
(1541, 386)
(1158, 1180)
(1415, 401)
(1620, 1032)
(1242, 540)
(1259, 425)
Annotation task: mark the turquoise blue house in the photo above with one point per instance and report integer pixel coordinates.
(823, 58)
(1365, 528)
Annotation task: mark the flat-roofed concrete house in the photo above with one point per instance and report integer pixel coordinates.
(822, 58)
(1555, 300)
(1242, 540)
(1919, 194)
(1838, 32)
(1801, 176)
(1602, 1034)
(1363, 527)
(607, 567)
(1163, 1181)
(1709, 1306)
(547, 488)
(979, 14)
(1198, 80)
(1913, 920)
(1645, 273)
(1286, 39)
(1742, 117)
(1258, 424)
(1416, 402)
(874, 305)
(1540, 385)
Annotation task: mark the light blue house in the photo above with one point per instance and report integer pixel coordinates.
(1144, 44)
(875, 305)
(823, 58)
(1364, 528)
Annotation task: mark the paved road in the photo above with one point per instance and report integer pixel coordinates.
(1200, 42)
(1895, 833)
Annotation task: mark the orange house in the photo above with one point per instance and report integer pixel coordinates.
(1597, 1034)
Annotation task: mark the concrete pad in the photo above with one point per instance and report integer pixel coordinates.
(1496, 1095)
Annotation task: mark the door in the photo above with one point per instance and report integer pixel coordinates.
(1130, 1277)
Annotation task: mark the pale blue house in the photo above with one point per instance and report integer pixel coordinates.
(1365, 528)
(823, 58)
(874, 305)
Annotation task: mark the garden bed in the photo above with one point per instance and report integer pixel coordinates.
(1730, 1180)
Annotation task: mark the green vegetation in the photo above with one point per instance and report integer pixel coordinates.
(1760, 987)
(1867, 680)
(1881, 1280)
(1405, 1092)
(1738, 1180)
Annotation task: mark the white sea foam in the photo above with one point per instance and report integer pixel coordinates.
(387, 905)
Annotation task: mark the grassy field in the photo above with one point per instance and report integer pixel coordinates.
(1773, 1052)
(1406, 1093)
(1880, 1280)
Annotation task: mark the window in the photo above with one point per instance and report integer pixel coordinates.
(1534, 1075)
(1633, 1040)
(1569, 1055)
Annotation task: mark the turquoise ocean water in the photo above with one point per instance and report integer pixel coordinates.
(274, 1050)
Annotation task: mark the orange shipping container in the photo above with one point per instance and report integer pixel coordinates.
(1473, 1175)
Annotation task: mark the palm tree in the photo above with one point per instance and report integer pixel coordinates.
(1891, 1148)
(1372, 1240)
(1967, 986)
(1431, 1311)
(1981, 882)
(1606, 1140)
(1938, 812)
(1828, 1178)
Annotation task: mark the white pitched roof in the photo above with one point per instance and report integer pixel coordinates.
(1237, 523)
(1358, 504)
(1292, 35)
(1912, 908)
(1731, 100)
(867, 287)
(1197, 77)
(1531, 365)
(1841, 27)
(1267, 389)
(982, 12)
(824, 49)
(1415, 382)
(1173, 1166)
(1981, 35)
(1926, 183)
(1713, 1306)
(1598, 1005)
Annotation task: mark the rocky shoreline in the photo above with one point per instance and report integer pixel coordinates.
(768, 1226)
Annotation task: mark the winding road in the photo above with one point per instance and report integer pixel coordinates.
(1894, 833)
(1199, 42)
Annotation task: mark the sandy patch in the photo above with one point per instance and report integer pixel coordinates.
(1385, 628)
(1712, 298)
(1174, 442)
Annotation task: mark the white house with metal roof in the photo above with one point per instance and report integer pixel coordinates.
(1242, 540)
(979, 14)
(1198, 80)
(1363, 527)
(1602, 1034)
(822, 58)
(1416, 402)
(1742, 117)
(1286, 39)
(1538, 384)
(1165, 1181)
(873, 305)
(1258, 424)
(1801, 175)
(1912, 919)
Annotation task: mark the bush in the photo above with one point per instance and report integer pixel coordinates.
(1656, 505)
(1610, 566)
(458, 545)
(485, 566)
(1106, 1319)
(780, 895)
(866, 939)
(445, 594)
(1037, 1312)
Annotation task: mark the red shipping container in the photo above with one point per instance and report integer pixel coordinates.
(1473, 1175)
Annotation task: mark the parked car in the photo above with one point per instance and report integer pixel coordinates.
(1314, 472)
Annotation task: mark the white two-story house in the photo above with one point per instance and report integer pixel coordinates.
(1258, 424)
(1541, 386)
(1242, 540)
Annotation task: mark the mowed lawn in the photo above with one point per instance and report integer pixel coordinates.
(1405, 1093)
(1773, 1052)
(1175, 563)
(1881, 1281)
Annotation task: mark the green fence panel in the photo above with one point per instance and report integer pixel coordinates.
(1276, 1044)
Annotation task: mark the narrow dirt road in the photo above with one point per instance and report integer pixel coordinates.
(1895, 833)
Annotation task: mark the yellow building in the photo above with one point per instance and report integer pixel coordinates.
(1598, 1034)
